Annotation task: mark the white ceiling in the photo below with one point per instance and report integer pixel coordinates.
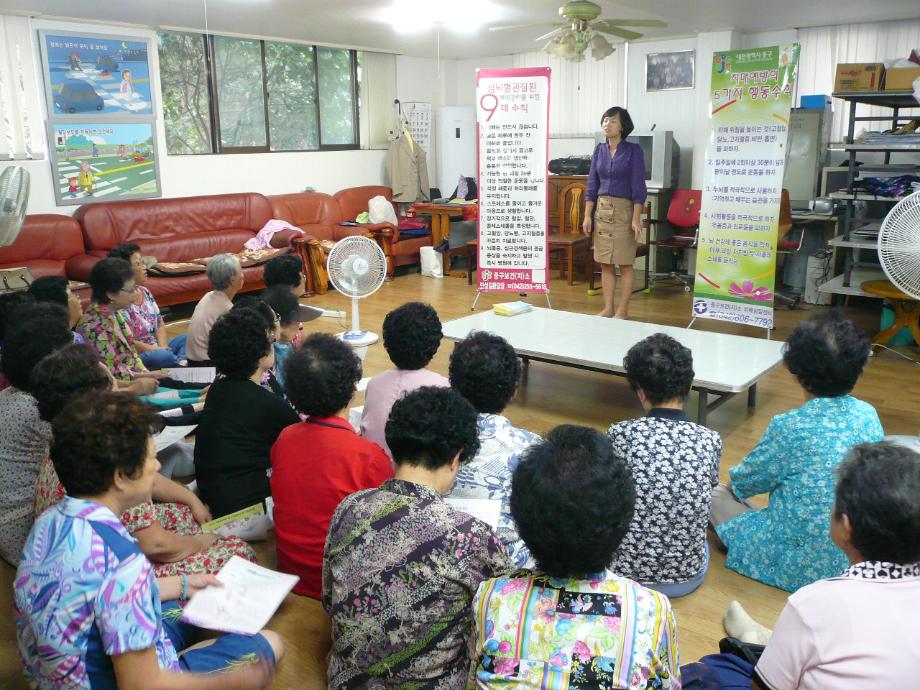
(363, 23)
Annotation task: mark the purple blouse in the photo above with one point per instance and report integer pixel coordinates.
(620, 175)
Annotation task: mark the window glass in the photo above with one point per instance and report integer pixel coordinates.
(336, 96)
(291, 97)
(186, 98)
(240, 95)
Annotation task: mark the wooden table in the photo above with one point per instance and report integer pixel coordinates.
(906, 310)
(440, 223)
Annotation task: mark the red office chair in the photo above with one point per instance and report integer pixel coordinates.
(684, 218)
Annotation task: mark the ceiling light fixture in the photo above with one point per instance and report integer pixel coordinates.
(418, 15)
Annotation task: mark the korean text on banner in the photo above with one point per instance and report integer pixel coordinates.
(512, 120)
(749, 115)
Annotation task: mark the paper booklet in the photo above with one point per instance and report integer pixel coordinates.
(249, 598)
(511, 308)
(249, 524)
(193, 374)
(485, 509)
(171, 435)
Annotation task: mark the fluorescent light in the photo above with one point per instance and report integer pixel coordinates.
(418, 15)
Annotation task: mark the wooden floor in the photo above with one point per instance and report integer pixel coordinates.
(554, 395)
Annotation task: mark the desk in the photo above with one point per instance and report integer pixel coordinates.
(724, 364)
(440, 223)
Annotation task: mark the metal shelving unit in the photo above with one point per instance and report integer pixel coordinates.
(856, 270)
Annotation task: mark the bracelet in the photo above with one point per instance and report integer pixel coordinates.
(184, 596)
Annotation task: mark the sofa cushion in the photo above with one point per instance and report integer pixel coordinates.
(353, 201)
(44, 244)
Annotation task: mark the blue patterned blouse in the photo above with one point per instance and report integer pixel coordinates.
(787, 544)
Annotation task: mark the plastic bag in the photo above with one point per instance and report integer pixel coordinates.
(432, 265)
(381, 211)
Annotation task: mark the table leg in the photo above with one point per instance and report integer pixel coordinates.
(752, 395)
(703, 407)
(443, 221)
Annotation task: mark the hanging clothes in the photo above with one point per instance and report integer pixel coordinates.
(407, 168)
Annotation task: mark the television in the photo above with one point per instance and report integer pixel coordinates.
(662, 156)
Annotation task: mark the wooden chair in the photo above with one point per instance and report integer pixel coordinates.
(641, 250)
(569, 236)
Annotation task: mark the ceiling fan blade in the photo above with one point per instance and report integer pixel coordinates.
(616, 31)
(509, 27)
(552, 33)
(634, 22)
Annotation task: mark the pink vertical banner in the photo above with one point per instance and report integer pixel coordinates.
(512, 121)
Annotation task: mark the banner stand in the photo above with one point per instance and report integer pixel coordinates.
(693, 321)
(521, 294)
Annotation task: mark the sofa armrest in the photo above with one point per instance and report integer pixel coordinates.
(311, 253)
(386, 236)
(78, 267)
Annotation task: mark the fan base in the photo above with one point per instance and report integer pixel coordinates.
(359, 338)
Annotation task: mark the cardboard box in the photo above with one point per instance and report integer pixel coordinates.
(901, 78)
(859, 76)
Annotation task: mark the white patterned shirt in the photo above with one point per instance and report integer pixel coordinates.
(488, 476)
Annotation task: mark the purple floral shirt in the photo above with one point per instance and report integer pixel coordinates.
(107, 331)
(144, 318)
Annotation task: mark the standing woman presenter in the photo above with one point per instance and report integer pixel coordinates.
(614, 200)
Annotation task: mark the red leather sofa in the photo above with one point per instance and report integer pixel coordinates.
(173, 230)
(44, 245)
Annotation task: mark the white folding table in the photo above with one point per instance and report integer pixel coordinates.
(723, 364)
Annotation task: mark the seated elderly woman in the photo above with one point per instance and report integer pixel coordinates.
(291, 315)
(486, 370)
(10, 302)
(167, 529)
(852, 630)
(674, 464)
(143, 316)
(36, 330)
(56, 290)
(80, 566)
(786, 544)
(286, 271)
(571, 622)
(226, 276)
(321, 377)
(401, 565)
(411, 336)
(241, 419)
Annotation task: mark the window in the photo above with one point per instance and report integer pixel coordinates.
(237, 95)
(186, 93)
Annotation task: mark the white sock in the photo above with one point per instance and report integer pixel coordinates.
(740, 625)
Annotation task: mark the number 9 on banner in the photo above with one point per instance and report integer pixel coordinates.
(489, 103)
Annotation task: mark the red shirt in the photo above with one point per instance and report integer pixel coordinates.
(315, 464)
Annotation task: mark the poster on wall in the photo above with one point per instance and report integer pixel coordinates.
(418, 117)
(95, 75)
(750, 102)
(104, 161)
(512, 118)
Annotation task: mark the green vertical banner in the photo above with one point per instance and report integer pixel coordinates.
(750, 101)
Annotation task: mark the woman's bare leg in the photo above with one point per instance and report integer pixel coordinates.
(609, 284)
(627, 281)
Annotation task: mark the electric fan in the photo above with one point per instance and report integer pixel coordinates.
(899, 245)
(14, 196)
(357, 267)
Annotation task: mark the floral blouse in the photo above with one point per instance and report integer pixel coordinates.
(400, 570)
(604, 631)
(143, 319)
(107, 330)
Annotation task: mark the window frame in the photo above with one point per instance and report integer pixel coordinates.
(214, 101)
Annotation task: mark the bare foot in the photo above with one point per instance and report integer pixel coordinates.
(619, 316)
(605, 314)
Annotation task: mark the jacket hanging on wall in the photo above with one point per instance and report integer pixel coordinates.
(407, 168)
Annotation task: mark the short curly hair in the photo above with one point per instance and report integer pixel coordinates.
(428, 426)
(572, 499)
(50, 289)
(661, 367)
(37, 331)
(878, 489)
(321, 376)
(486, 371)
(10, 303)
(237, 342)
(109, 275)
(412, 335)
(65, 374)
(125, 251)
(286, 270)
(98, 434)
(283, 303)
(826, 354)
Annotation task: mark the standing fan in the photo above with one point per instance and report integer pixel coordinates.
(14, 196)
(899, 245)
(357, 267)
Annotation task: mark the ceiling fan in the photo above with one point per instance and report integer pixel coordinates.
(582, 28)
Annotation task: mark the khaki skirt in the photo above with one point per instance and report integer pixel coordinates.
(614, 241)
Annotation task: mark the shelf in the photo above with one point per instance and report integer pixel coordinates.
(863, 196)
(882, 147)
(857, 277)
(890, 99)
(853, 242)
